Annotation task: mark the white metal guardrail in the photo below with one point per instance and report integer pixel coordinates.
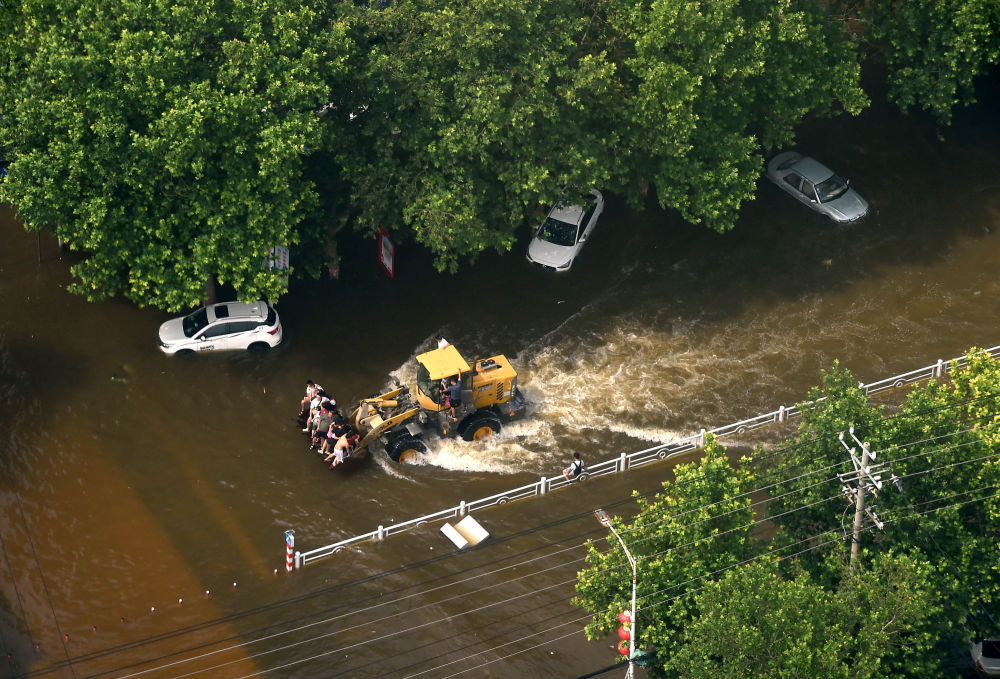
(626, 461)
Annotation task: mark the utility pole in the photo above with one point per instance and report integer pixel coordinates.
(859, 509)
(867, 482)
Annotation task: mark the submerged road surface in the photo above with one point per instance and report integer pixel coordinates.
(144, 498)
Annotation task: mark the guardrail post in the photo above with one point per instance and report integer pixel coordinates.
(298, 560)
(542, 489)
(461, 508)
(782, 416)
(861, 386)
(381, 532)
(939, 368)
(623, 463)
(701, 438)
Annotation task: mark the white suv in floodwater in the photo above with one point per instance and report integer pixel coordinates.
(220, 327)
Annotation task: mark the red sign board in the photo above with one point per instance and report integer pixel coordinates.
(386, 252)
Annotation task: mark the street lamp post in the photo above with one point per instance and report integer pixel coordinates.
(605, 521)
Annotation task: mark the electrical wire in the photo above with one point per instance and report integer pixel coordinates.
(647, 607)
(501, 602)
(425, 562)
(604, 570)
(387, 617)
(533, 574)
(564, 520)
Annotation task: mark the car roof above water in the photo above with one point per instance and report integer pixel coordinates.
(571, 214)
(238, 310)
(813, 170)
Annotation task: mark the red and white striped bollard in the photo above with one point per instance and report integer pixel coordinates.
(289, 550)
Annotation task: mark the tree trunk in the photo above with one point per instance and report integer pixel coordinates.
(330, 249)
(210, 290)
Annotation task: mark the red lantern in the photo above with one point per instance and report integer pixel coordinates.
(623, 647)
(624, 617)
(624, 633)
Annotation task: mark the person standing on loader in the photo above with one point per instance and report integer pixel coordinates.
(454, 395)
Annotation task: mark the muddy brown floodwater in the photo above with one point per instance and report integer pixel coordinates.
(144, 498)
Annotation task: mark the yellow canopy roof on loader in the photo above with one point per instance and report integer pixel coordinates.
(441, 363)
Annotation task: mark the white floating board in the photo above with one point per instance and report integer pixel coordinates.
(454, 536)
(466, 532)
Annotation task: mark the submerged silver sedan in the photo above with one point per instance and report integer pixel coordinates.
(816, 185)
(558, 239)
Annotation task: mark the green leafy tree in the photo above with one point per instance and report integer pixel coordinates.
(935, 49)
(715, 601)
(756, 623)
(166, 141)
(470, 114)
(700, 524)
(807, 492)
(710, 85)
(467, 112)
(171, 143)
(942, 444)
(950, 469)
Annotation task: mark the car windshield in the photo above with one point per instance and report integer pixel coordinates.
(831, 188)
(557, 232)
(195, 322)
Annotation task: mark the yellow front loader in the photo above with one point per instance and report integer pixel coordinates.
(489, 397)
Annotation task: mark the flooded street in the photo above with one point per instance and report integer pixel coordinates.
(144, 498)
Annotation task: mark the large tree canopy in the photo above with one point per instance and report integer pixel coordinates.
(710, 85)
(743, 570)
(755, 623)
(943, 445)
(468, 112)
(165, 140)
(475, 111)
(934, 49)
(170, 142)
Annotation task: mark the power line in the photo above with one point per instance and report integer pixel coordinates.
(437, 603)
(277, 604)
(474, 577)
(398, 632)
(342, 630)
(504, 601)
(585, 617)
(688, 544)
(644, 607)
(20, 603)
(909, 444)
(45, 587)
(328, 590)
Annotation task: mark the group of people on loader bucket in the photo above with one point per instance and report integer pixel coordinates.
(330, 434)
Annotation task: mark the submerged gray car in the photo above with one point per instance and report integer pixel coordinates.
(816, 185)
